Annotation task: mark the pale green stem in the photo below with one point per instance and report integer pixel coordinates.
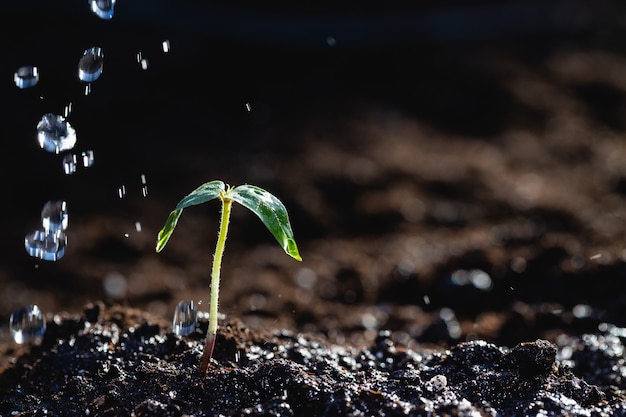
(215, 283)
(217, 263)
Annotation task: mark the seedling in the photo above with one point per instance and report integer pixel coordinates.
(266, 206)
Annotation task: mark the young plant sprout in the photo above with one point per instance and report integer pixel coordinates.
(266, 206)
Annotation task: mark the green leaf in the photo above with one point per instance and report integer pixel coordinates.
(272, 213)
(168, 229)
(206, 192)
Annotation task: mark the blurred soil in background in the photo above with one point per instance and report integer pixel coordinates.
(447, 189)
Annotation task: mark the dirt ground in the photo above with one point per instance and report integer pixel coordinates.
(444, 190)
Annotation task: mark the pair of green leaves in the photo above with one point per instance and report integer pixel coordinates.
(266, 206)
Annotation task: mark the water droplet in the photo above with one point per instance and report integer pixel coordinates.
(144, 187)
(103, 8)
(331, 41)
(121, 191)
(166, 46)
(248, 107)
(90, 65)
(26, 77)
(138, 226)
(27, 325)
(185, 316)
(144, 64)
(55, 134)
(69, 163)
(88, 89)
(67, 110)
(87, 158)
(54, 216)
(46, 246)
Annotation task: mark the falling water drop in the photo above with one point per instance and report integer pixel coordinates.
(87, 158)
(54, 217)
(166, 46)
(103, 8)
(55, 134)
(26, 77)
(144, 186)
(67, 110)
(69, 163)
(185, 316)
(90, 65)
(121, 191)
(27, 325)
(46, 246)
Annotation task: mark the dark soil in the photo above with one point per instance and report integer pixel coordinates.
(115, 361)
(458, 197)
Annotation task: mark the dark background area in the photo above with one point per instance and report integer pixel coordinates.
(407, 139)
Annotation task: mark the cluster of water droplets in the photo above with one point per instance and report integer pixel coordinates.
(71, 161)
(49, 242)
(27, 325)
(55, 134)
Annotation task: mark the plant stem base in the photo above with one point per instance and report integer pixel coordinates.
(207, 353)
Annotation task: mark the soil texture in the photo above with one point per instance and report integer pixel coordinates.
(113, 361)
